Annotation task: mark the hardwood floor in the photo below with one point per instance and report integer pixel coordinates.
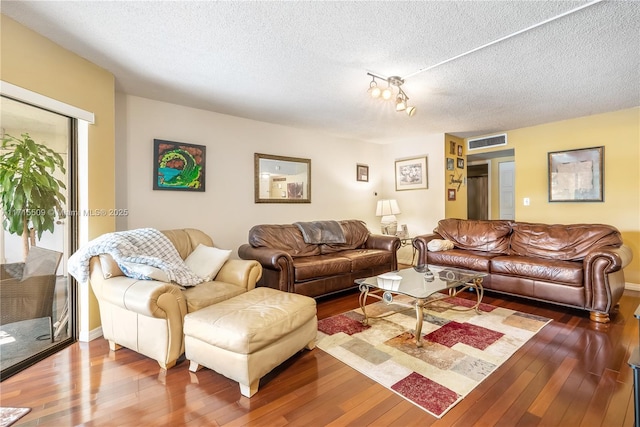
(572, 373)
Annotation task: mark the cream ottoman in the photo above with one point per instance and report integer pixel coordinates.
(245, 337)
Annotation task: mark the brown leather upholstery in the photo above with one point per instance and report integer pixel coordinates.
(578, 265)
(291, 265)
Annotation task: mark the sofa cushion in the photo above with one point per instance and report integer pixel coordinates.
(209, 293)
(471, 260)
(285, 237)
(312, 267)
(561, 242)
(567, 272)
(355, 234)
(363, 259)
(479, 235)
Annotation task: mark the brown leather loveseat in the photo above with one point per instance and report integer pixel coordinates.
(576, 265)
(316, 269)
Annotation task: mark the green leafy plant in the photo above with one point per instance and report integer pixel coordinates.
(31, 195)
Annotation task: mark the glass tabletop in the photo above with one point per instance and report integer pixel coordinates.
(421, 281)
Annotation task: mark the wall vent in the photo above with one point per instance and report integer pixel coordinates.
(487, 141)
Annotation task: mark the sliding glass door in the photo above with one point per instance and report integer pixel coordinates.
(38, 305)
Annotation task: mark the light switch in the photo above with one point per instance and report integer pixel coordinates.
(527, 202)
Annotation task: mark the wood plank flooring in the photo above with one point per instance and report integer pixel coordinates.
(572, 373)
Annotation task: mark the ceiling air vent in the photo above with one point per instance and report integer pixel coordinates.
(487, 141)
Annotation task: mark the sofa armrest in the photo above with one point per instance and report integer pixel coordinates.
(277, 266)
(382, 242)
(150, 298)
(608, 259)
(604, 276)
(244, 273)
(420, 244)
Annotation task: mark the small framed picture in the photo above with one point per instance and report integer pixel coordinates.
(452, 147)
(362, 173)
(460, 163)
(451, 194)
(450, 164)
(459, 150)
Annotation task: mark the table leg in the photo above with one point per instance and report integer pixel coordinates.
(419, 319)
(364, 292)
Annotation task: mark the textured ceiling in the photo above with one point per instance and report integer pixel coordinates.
(304, 64)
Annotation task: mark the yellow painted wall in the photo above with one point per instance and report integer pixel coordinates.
(455, 208)
(619, 133)
(33, 62)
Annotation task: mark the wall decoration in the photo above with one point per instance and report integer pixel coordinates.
(451, 194)
(459, 150)
(452, 147)
(450, 165)
(178, 166)
(274, 174)
(456, 180)
(362, 173)
(411, 174)
(460, 163)
(576, 175)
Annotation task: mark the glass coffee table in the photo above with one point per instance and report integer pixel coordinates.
(419, 283)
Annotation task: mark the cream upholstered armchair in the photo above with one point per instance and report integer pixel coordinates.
(147, 315)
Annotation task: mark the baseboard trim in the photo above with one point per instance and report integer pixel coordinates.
(85, 336)
(632, 286)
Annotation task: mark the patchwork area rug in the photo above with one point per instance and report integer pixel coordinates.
(460, 348)
(9, 416)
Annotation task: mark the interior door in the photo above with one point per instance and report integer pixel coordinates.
(507, 190)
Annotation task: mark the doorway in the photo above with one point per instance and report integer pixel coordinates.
(500, 203)
(478, 191)
(28, 338)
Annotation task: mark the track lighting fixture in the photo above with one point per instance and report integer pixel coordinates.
(400, 98)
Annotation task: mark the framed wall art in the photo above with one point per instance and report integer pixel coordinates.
(178, 166)
(362, 173)
(459, 150)
(450, 165)
(460, 163)
(411, 174)
(451, 194)
(576, 175)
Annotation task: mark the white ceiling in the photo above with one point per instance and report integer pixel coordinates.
(304, 64)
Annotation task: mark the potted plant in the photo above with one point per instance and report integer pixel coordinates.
(31, 195)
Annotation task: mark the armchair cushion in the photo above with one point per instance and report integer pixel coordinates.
(207, 261)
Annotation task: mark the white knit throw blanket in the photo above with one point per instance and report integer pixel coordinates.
(146, 246)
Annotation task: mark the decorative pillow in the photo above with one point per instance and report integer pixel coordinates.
(143, 272)
(206, 261)
(437, 245)
(109, 266)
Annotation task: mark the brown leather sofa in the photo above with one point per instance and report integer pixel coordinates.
(290, 264)
(575, 265)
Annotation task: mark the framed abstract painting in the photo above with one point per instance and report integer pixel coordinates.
(178, 166)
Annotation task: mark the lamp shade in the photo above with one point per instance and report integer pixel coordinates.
(387, 207)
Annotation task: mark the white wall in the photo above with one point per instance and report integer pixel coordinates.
(421, 209)
(226, 210)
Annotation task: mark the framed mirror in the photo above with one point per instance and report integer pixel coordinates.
(279, 179)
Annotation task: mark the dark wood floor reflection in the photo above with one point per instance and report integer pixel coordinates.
(571, 373)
